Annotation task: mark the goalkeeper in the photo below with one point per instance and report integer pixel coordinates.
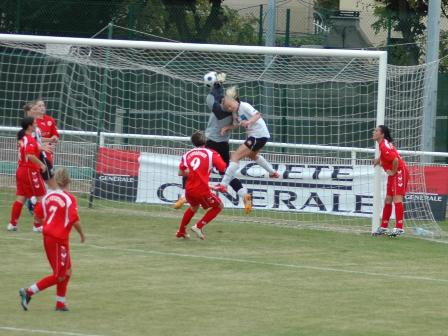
(219, 119)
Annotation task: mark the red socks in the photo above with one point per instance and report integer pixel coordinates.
(15, 212)
(188, 215)
(208, 217)
(387, 212)
(399, 215)
(61, 287)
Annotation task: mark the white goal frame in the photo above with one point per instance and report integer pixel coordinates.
(381, 56)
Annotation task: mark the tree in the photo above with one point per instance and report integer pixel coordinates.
(57, 17)
(406, 17)
(197, 21)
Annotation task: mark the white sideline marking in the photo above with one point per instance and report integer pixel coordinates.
(245, 261)
(39, 331)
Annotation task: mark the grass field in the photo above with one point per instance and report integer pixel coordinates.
(132, 277)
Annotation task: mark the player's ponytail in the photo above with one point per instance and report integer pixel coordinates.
(231, 93)
(386, 131)
(62, 177)
(26, 122)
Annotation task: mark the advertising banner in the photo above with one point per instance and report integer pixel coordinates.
(336, 189)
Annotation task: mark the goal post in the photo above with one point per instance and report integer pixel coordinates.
(137, 102)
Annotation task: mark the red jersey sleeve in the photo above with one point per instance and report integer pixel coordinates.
(54, 129)
(73, 215)
(39, 210)
(218, 162)
(388, 152)
(182, 165)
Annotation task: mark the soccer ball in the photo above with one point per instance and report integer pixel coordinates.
(210, 78)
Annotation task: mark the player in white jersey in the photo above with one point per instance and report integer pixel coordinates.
(220, 141)
(257, 136)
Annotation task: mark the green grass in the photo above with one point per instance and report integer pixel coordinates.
(132, 277)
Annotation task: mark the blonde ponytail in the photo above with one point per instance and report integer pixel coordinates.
(231, 92)
(62, 177)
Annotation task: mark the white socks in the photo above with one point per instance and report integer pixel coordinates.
(230, 173)
(261, 161)
(34, 288)
(242, 192)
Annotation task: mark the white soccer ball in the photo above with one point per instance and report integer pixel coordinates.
(210, 78)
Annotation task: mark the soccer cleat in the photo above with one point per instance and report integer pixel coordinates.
(396, 232)
(274, 175)
(182, 235)
(380, 231)
(220, 187)
(198, 232)
(37, 229)
(247, 203)
(24, 298)
(63, 308)
(180, 202)
(11, 227)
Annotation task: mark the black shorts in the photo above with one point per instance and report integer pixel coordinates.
(48, 174)
(255, 144)
(222, 148)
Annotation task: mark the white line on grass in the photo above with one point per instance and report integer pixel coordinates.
(39, 331)
(246, 261)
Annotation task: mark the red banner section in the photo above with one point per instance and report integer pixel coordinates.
(117, 162)
(436, 180)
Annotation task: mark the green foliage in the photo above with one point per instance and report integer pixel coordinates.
(407, 17)
(194, 21)
(57, 17)
(187, 21)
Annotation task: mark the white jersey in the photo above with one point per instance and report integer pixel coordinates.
(257, 129)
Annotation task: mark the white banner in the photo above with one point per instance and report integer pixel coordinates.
(335, 189)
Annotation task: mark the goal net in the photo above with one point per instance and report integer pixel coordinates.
(126, 110)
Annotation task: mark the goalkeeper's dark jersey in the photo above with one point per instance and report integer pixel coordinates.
(218, 118)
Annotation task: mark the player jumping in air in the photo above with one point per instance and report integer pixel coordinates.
(49, 135)
(397, 181)
(257, 136)
(59, 213)
(215, 139)
(197, 164)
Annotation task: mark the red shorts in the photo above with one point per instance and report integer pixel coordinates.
(209, 200)
(58, 255)
(29, 183)
(398, 184)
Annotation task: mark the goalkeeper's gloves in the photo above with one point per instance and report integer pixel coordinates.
(221, 77)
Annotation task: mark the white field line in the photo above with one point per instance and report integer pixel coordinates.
(254, 262)
(40, 331)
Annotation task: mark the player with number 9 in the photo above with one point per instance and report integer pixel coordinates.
(197, 164)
